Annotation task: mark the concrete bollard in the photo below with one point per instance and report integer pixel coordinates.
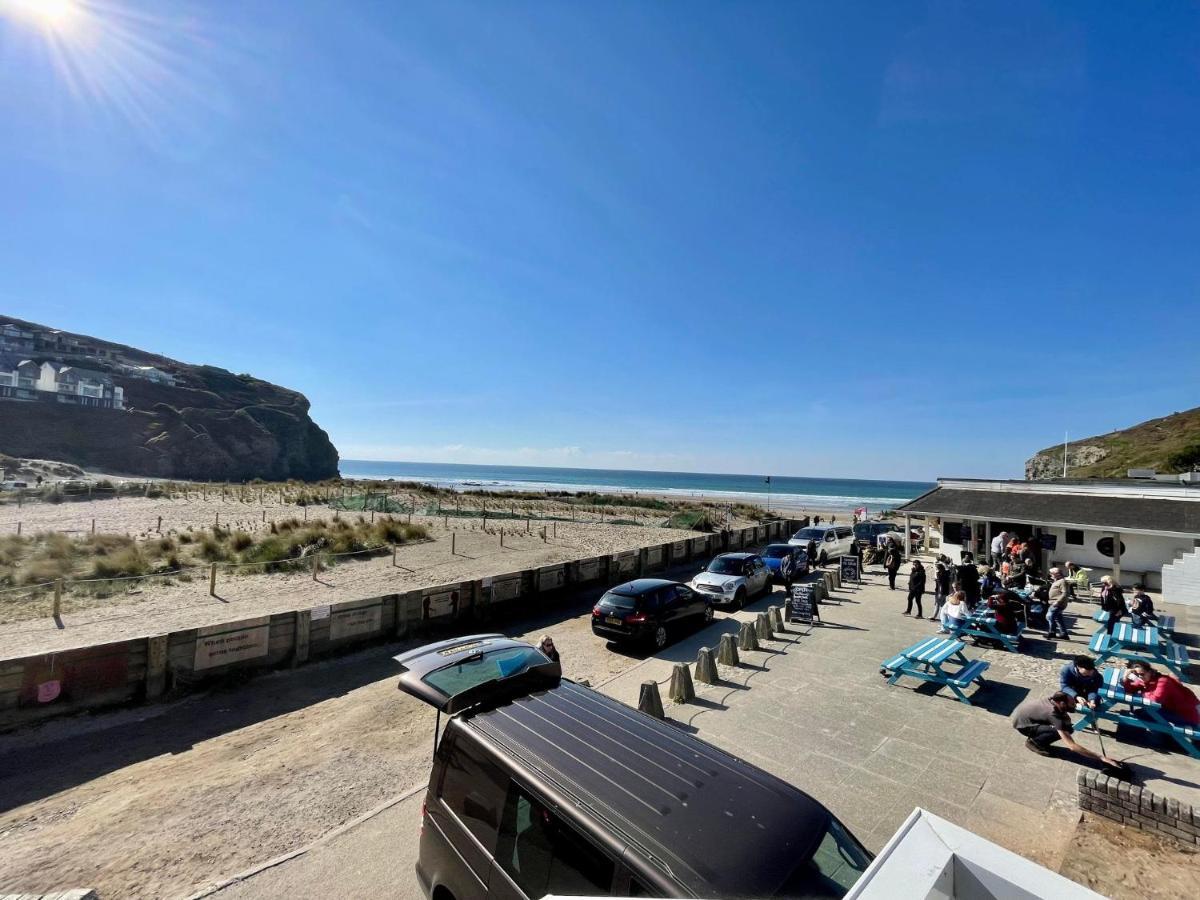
(682, 690)
(762, 627)
(747, 639)
(775, 614)
(727, 651)
(649, 701)
(837, 577)
(706, 666)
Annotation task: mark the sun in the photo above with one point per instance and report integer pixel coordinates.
(53, 15)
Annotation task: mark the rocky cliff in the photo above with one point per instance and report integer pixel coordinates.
(209, 425)
(1169, 444)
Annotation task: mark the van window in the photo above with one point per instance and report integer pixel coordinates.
(544, 855)
(473, 789)
(844, 532)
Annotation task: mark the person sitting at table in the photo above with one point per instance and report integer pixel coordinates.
(988, 582)
(1112, 601)
(1141, 608)
(954, 613)
(1080, 679)
(1045, 721)
(1005, 610)
(1179, 704)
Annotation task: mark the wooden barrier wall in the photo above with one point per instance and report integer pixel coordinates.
(50, 685)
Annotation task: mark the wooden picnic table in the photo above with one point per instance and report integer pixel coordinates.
(1112, 696)
(1164, 624)
(982, 623)
(927, 660)
(1142, 644)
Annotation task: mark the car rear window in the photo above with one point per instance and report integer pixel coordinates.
(619, 601)
(810, 534)
(481, 668)
(777, 552)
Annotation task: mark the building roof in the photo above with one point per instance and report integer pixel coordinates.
(1126, 506)
(719, 826)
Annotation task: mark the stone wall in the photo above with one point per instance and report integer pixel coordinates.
(1137, 807)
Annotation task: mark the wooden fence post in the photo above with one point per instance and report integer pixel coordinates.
(454, 543)
(212, 580)
(58, 592)
(316, 565)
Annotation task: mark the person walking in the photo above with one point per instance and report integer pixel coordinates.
(941, 587)
(916, 588)
(1061, 591)
(1112, 601)
(891, 562)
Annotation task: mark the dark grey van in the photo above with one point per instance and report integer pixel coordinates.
(542, 786)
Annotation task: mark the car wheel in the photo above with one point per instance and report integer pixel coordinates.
(739, 598)
(660, 637)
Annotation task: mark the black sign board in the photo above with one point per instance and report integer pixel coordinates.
(1048, 541)
(849, 566)
(803, 604)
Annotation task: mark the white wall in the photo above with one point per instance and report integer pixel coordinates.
(1143, 553)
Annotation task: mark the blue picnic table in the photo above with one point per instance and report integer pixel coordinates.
(927, 660)
(1112, 695)
(982, 623)
(1143, 644)
(1164, 624)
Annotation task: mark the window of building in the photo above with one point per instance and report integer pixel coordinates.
(474, 790)
(1074, 537)
(543, 854)
(952, 532)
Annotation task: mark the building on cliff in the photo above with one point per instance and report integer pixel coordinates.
(27, 379)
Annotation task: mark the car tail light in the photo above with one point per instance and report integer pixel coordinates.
(635, 619)
(424, 813)
(596, 611)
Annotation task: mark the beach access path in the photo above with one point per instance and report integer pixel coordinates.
(165, 608)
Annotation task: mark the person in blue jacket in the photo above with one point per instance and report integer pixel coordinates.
(1080, 679)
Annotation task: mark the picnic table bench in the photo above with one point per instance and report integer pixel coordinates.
(982, 623)
(1165, 624)
(1143, 644)
(926, 660)
(1113, 693)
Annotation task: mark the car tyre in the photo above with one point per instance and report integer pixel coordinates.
(660, 637)
(739, 598)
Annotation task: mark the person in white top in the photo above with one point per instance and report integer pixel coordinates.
(953, 612)
(998, 544)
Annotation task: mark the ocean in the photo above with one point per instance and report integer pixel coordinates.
(785, 491)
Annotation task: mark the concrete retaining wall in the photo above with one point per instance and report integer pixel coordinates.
(146, 668)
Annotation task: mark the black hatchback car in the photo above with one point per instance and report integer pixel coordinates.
(542, 786)
(647, 610)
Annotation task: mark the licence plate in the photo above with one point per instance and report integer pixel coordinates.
(613, 620)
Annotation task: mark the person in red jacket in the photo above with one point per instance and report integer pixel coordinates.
(1179, 704)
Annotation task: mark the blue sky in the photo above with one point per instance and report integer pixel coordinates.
(879, 239)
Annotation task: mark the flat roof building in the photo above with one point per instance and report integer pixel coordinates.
(1139, 530)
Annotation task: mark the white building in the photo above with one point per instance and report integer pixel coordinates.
(149, 373)
(30, 380)
(1139, 531)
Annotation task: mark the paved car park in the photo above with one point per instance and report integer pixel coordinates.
(813, 709)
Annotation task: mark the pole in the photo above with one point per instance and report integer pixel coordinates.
(768, 493)
(393, 554)
(454, 543)
(58, 591)
(212, 580)
(1065, 441)
(316, 567)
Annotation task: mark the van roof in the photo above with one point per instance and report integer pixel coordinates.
(689, 807)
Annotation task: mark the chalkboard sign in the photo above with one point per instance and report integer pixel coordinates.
(803, 605)
(849, 566)
(1048, 541)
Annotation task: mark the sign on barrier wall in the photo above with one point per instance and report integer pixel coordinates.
(654, 557)
(625, 562)
(699, 546)
(439, 603)
(587, 569)
(220, 645)
(679, 551)
(551, 578)
(355, 622)
(505, 587)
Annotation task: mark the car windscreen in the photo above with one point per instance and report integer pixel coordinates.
(835, 865)
(777, 552)
(619, 601)
(480, 668)
(725, 566)
(809, 534)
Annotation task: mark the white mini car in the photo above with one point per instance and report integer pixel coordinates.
(733, 578)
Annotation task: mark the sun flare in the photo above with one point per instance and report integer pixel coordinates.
(53, 15)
